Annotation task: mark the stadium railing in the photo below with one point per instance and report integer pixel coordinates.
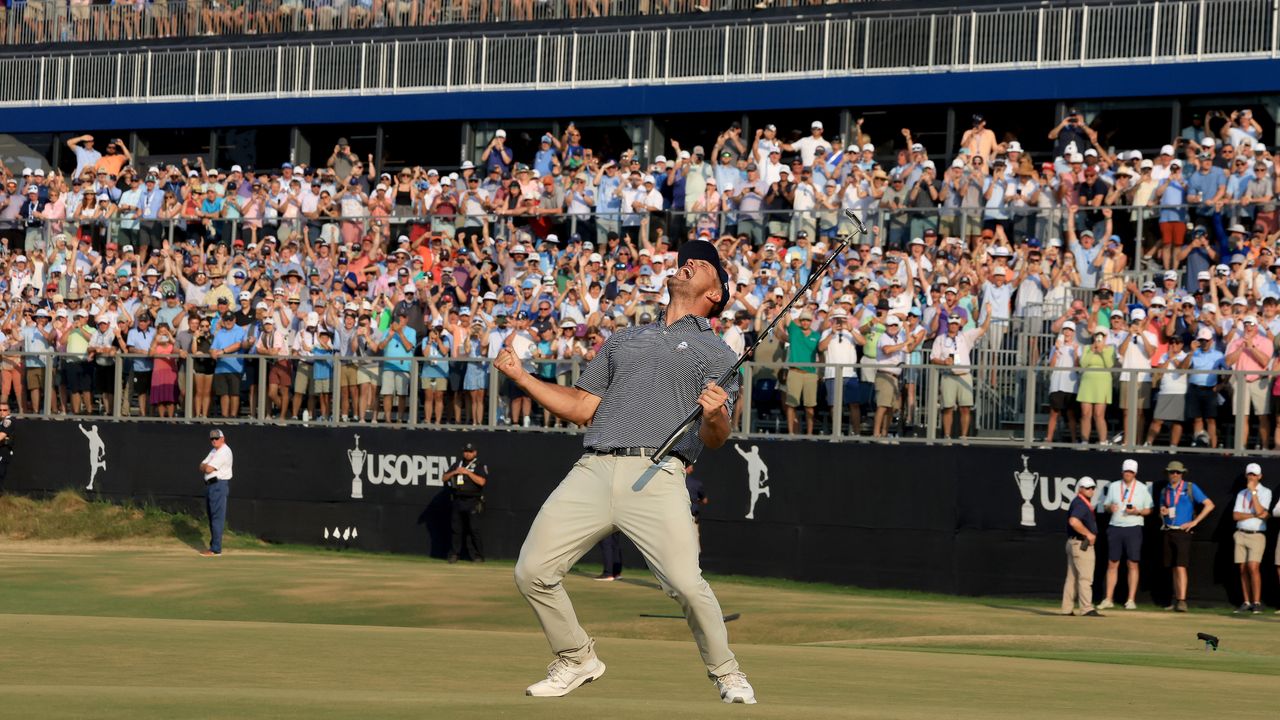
(761, 397)
(983, 38)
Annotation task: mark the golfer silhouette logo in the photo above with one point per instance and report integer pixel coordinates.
(757, 476)
(97, 453)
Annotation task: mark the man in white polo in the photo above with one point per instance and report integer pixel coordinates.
(1129, 502)
(954, 349)
(216, 467)
(1250, 513)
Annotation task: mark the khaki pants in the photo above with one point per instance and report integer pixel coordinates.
(1078, 588)
(650, 505)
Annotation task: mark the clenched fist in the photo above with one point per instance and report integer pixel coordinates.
(508, 364)
(712, 400)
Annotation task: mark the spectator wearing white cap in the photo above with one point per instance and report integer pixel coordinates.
(1250, 513)
(954, 350)
(1252, 351)
(891, 353)
(839, 347)
(1128, 501)
(1082, 538)
(1064, 382)
(1139, 344)
(496, 155)
(1171, 398)
(1202, 396)
(1094, 394)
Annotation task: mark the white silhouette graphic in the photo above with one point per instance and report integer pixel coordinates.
(97, 453)
(356, 457)
(757, 476)
(340, 534)
(1027, 481)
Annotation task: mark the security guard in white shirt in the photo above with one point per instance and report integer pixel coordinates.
(1250, 513)
(216, 467)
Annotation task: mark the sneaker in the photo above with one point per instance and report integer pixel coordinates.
(1093, 613)
(209, 553)
(604, 577)
(1181, 606)
(1246, 607)
(1106, 605)
(734, 688)
(1256, 609)
(1130, 605)
(564, 676)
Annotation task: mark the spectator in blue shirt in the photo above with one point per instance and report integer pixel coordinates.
(1172, 193)
(1178, 518)
(139, 343)
(1207, 189)
(322, 371)
(1202, 395)
(228, 339)
(398, 342)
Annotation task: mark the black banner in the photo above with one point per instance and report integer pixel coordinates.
(969, 520)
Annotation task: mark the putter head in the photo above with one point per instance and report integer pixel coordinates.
(857, 222)
(1210, 641)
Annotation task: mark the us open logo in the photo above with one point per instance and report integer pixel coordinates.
(395, 469)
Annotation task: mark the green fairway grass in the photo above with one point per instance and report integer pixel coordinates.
(145, 629)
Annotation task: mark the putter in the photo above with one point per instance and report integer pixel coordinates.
(858, 229)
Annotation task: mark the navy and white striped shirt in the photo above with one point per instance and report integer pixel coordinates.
(648, 379)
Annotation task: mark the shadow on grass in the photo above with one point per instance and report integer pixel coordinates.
(1022, 608)
(186, 530)
(638, 582)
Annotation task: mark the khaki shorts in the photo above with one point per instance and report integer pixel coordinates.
(1259, 397)
(35, 378)
(802, 388)
(302, 381)
(436, 384)
(367, 375)
(395, 382)
(957, 391)
(886, 390)
(1144, 394)
(350, 375)
(1250, 547)
(322, 387)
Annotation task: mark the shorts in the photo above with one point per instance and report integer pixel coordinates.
(1177, 548)
(850, 392)
(394, 382)
(34, 378)
(349, 375)
(302, 381)
(281, 373)
(1062, 400)
(141, 381)
(226, 384)
(456, 372)
(886, 390)
(802, 388)
(323, 387)
(78, 377)
(1202, 402)
(1171, 408)
(1250, 547)
(1144, 394)
(1173, 233)
(957, 391)
(1126, 541)
(1259, 397)
(367, 375)
(435, 384)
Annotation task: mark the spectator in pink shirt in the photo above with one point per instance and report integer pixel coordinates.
(1252, 351)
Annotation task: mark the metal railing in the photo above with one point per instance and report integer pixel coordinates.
(355, 393)
(867, 44)
(892, 228)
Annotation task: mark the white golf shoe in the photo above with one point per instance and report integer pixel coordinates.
(734, 688)
(563, 677)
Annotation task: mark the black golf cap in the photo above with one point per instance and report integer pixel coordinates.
(703, 250)
(468, 448)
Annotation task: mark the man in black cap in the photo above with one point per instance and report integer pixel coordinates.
(637, 390)
(466, 481)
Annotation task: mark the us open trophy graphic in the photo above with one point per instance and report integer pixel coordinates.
(357, 457)
(1027, 488)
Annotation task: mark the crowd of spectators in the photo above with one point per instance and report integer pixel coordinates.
(1161, 266)
(26, 21)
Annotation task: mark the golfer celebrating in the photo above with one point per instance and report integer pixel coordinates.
(639, 389)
